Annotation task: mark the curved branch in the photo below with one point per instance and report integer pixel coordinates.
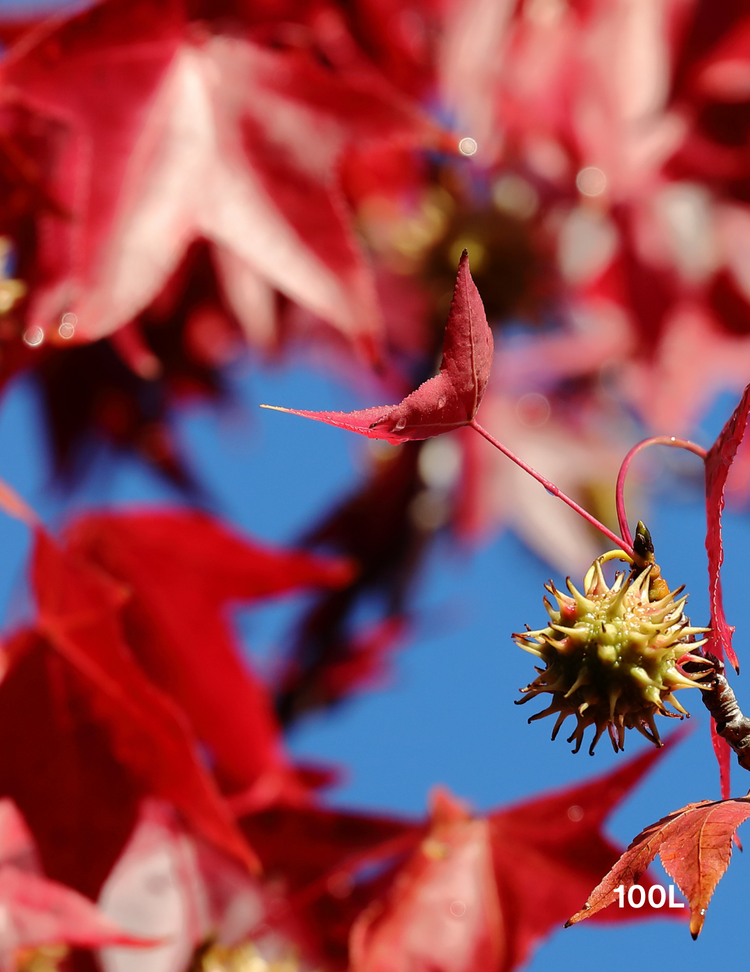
(719, 699)
(667, 440)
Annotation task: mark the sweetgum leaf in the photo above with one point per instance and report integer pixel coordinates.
(447, 401)
(694, 844)
(304, 843)
(718, 462)
(333, 864)
(183, 569)
(122, 392)
(548, 850)
(443, 911)
(97, 128)
(58, 766)
(148, 735)
(192, 131)
(479, 893)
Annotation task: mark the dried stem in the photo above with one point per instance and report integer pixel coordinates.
(720, 701)
(667, 440)
(626, 545)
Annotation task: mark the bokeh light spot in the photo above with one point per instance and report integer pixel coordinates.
(533, 410)
(33, 336)
(67, 327)
(591, 181)
(514, 195)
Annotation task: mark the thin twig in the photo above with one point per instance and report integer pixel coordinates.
(667, 440)
(720, 701)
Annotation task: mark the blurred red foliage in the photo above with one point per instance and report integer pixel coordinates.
(183, 183)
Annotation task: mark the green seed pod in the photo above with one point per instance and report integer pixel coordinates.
(613, 655)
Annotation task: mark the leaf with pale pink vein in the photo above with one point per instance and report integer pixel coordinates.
(694, 844)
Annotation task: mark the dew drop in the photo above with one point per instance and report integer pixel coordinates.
(33, 336)
(400, 425)
(441, 403)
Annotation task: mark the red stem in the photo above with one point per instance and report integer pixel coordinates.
(667, 440)
(626, 545)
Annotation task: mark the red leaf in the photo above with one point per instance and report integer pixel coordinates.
(718, 461)
(306, 843)
(58, 766)
(193, 132)
(695, 845)
(480, 893)
(549, 850)
(443, 911)
(129, 47)
(37, 912)
(121, 393)
(182, 569)
(447, 401)
(79, 612)
(319, 854)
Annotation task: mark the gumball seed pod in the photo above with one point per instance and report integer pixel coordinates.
(613, 655)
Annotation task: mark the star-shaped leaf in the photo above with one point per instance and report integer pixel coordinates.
(182, 569)
(85, 734)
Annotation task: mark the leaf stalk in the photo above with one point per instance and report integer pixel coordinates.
(667, 440)
(626, 545)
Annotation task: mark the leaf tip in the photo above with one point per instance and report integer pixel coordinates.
(578, 916)
(14, 506)
(277, 408)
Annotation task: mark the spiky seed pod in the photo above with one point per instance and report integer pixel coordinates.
(613, 655)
